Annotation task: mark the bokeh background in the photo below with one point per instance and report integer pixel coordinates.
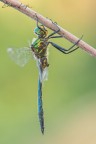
(69, 95)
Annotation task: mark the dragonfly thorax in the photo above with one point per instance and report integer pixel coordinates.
(39, 48)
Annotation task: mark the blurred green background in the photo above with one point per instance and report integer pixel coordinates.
(68, 95)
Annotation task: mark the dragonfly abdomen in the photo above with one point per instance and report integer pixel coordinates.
(40, 106)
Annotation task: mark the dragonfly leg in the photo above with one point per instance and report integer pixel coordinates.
(38, 23)
(58, 36)
(64, 50)
(53, 33)
(37, 20)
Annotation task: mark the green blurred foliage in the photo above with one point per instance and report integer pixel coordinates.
(71, 86)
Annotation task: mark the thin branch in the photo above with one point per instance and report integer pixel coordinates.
(46, 22)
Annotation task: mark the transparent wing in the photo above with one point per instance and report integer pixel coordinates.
(43, 75)
(20, 56)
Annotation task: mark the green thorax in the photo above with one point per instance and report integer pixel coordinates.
(39, 47)
(38, 43)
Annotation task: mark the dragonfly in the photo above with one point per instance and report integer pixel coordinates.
(39, 50)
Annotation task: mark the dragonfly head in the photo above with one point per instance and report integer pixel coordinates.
(41, 31)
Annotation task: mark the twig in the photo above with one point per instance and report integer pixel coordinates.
(46, 22)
